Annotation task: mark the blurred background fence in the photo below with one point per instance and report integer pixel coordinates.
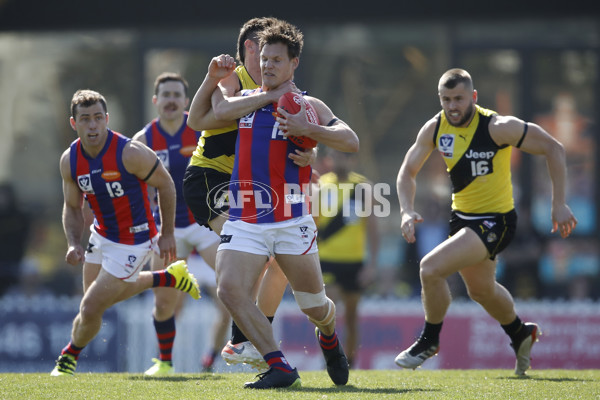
(377, 66)
(33, 331)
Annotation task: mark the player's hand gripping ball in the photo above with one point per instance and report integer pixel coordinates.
(290, 102)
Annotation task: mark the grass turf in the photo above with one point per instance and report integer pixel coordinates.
(363, 384)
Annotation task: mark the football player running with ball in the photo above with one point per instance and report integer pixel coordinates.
(288, 231)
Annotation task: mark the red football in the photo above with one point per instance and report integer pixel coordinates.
(290, 102)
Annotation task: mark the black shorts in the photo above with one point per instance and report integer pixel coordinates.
(203, 191)
(496, 231)
(343, 274)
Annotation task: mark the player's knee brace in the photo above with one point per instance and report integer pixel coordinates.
(310, 300)
(329, 317)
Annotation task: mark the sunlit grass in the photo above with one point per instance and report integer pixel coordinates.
(372, 384)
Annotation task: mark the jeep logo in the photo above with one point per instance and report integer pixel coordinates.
(487, 155)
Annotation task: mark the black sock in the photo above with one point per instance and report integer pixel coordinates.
(431, 333)
(236, 334)
(430, 336)
(515, 330)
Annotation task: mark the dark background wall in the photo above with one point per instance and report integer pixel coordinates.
(77, 14)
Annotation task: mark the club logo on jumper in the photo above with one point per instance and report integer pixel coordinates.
(85, 183)
(226, 238)
(111, 175)
(187, 151)
(492, 237)
(446, 145)
(163, 156)
(131, 259)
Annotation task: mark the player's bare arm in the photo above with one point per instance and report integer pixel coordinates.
(509, 130)
(140, 137)
(141, 161)
(338, 135)
(406, 183)
(72, 217)
(229, 108)
(201, 116)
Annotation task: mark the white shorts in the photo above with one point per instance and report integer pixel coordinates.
(204, 274)
(123, 261)
(296, 236)
(193, 237)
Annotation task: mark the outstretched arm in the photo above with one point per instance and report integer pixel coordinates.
(406, 183)
(507, 129)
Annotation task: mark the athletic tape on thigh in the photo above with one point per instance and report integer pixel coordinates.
(310, 300)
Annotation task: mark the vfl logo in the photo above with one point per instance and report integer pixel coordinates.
(131, 259)
(446, 145)
(163, 156)
(85, 183)
(246, 122)
(304, 232)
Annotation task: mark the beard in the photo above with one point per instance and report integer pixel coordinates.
(466, 118)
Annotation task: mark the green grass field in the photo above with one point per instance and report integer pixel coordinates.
(393, 384)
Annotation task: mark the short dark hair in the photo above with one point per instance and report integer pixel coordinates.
(86, 98)
(250, 30)
(453, 77)
(170, 76)
(286, 33)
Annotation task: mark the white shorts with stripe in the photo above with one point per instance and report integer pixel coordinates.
(123, 261)
(193, 237)
(296, 236)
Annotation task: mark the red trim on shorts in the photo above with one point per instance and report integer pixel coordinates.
(311, 243)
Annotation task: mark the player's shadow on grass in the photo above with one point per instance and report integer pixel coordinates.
(178, 378)
(542, 378)
(354, 389)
